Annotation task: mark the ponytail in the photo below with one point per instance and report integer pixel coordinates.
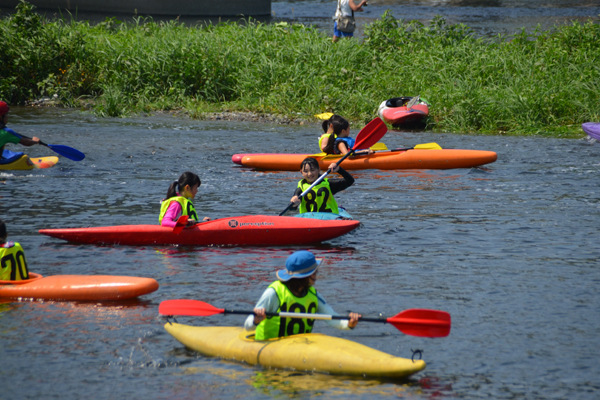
(187, 178)
(172, 192)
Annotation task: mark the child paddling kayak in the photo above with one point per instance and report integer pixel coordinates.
(320, 198)
(179, 201)
(13, 265)
(339, 141)
(293, 292)
(7, 135)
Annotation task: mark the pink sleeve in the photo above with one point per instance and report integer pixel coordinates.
(172, 214)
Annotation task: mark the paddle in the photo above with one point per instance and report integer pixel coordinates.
(415, 322)
(424, 146)
(326, 115)
(412, 102)
(367, 137)
(65, 151)
(181, 223)
(379, 146)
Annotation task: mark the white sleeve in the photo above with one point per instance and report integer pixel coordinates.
(325, 308)
(269, 301)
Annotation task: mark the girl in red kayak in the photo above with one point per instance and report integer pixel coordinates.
(293, 292)
(320, 198)
(179, 201)
(13, 266)
(339, 141)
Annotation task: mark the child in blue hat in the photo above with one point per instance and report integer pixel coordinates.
(293, 292)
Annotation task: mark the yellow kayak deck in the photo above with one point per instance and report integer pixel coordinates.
(25, 163)
(307, 352)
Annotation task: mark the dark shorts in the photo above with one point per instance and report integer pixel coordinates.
(339, 33)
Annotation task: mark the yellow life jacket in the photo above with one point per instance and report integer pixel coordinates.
(324, 136)
(13, 265)
(187, 207)
(319, 199)
(272, 327)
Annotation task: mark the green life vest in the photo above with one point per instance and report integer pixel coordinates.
(319, 199)
(187, 207)
(13, 266)
(273, 327)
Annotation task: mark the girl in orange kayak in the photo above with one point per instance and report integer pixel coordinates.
(179, 201)
(293, 292)
(339, 141)
(13, 265)
(320, 198)
(328, 130)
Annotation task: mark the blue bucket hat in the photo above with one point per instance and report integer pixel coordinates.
(299, 265)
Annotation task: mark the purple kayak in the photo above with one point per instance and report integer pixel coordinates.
(592, 129)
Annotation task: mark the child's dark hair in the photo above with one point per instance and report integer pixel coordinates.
(298, 285)
(339, 124)
(311, 162)
(2, 229)
(325, 125)
(187, 178)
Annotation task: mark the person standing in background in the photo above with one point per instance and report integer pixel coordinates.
(343, 14)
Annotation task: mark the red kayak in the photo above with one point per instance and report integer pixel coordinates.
(77, 287)
(395, 111)
(247, 230)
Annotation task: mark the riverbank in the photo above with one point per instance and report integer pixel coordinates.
(544, 83)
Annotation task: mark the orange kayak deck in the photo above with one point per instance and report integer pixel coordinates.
(77, 287)
(386, 160)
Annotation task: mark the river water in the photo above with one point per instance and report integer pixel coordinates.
(485, 17)
(510, 251)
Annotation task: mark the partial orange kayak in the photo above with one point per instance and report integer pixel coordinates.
(77, 287)
(384, 160)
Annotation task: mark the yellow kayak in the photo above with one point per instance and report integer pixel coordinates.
(19, 161)
(307, 352)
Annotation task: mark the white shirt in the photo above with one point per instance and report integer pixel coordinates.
(270, 302)
(344, 6)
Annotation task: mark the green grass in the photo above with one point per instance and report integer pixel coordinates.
(544, 83)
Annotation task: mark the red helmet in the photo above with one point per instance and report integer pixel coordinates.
(3, 108)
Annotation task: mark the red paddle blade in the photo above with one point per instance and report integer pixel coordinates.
(181, 223)
(370, 134)
(194, 308)
(422, 322)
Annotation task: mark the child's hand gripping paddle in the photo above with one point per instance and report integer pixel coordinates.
(65, 151)
(181, 223)
(415, 322)
(367, 137)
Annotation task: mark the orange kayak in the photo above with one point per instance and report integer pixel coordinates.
(77, 287)
(403, 159)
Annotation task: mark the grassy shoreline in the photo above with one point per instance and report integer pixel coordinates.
(544, 83)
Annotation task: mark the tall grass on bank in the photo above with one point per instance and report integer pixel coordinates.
(540, 83)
